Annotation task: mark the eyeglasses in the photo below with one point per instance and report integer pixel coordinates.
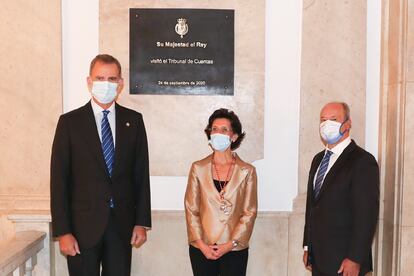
(223, 130)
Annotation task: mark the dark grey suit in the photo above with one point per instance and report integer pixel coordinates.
(341, 221)
(81, 186)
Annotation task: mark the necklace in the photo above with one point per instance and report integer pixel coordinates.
(225, 181)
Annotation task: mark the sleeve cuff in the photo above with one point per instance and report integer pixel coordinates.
(145, 227)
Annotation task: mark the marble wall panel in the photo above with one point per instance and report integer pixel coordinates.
(395, 36)
(386, 248)
(333, 69)
(30, 85)
(389, 164)
(408, 185)
(396, 150)
(24, 202)
(296, 226)
(269, 245)
(407, 250)
(175, 123)
(410, 41)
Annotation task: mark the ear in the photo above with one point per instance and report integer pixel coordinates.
(346, 126)
(349, 123)
(234, 138)
(89, 82)
(120, 86)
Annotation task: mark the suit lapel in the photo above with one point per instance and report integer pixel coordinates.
(330, 176)
(315, 166)
(314, 169)
(91, 135)
(121, 126)
(239, 174)
(206, 178)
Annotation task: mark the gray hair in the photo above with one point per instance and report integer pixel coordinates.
(345, 106)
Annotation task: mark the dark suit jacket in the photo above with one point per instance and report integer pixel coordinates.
(341, 221)
(81, 186)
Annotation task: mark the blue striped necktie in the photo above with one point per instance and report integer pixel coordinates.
(108, 148)
(323, 167)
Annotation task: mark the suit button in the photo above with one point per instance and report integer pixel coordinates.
(111, 202)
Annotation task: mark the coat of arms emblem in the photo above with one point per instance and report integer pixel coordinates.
(181, 28)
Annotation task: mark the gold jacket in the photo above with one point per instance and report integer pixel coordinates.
(202, 203)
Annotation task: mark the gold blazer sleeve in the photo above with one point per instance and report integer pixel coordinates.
(191, 204)
(244, 228)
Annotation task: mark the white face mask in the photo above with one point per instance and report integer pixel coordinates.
(104, 91)
(331, 131)
(220, 142)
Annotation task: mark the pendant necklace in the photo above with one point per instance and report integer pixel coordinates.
(225, 206)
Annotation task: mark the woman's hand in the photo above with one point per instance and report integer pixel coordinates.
(221, 249)
(207, 251)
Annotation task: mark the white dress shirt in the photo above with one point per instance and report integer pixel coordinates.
(336, 152)
(97, 111)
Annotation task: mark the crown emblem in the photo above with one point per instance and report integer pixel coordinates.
(181, 28)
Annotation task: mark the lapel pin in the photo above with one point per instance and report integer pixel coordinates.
(127, 124)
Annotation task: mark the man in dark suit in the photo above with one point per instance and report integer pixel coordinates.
(100, 192)
(342, 201)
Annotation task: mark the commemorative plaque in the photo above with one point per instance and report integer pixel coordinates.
(181, 51)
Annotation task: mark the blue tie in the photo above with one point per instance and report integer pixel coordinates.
(107, 142)
(323, 167)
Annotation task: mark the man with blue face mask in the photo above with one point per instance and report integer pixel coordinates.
(100, 193)
(342, 200)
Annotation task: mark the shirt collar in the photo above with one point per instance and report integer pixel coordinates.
(98, 110)
(338, 149)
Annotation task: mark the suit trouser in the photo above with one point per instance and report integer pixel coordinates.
(233, 263)
(316, 272)
(111, 252)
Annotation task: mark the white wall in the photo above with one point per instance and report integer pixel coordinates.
(277, 172)
(80, 40)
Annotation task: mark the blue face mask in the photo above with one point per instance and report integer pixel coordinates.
(219, 142)
(331, 131)
(104, 91)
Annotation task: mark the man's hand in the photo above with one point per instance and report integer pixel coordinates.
(139, 236)
(68, 245)
(221, 249)
(349, 268)
(305, 261)
(207, 250)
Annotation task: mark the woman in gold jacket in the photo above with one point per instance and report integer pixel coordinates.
(221, 202)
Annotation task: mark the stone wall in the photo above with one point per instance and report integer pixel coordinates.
(31, 95)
